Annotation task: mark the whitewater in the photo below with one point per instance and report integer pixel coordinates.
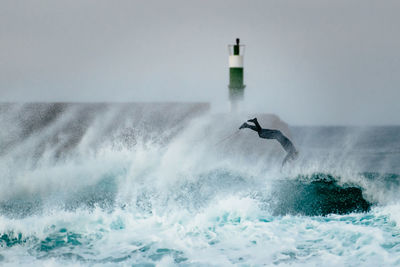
(159, 185)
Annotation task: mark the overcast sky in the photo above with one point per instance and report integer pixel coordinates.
(310, 62)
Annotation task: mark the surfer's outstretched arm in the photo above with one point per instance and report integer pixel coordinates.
(291, 156)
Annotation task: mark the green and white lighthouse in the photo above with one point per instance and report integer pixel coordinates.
(236, 86)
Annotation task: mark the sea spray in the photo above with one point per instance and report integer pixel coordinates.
(108, 184)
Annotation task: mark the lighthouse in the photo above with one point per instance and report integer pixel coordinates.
(236, 86)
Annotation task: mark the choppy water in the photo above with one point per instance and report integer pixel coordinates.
(143, 186)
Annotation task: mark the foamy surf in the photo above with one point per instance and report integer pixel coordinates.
(145, 186)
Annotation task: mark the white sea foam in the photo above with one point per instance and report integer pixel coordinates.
(176, 195)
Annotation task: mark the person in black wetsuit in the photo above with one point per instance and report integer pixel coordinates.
(274, 134)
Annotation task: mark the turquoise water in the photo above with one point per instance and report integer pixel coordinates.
(110, 188)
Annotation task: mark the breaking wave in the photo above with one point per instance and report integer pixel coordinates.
(160, 184)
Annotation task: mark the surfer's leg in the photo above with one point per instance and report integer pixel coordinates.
(245, 125)
(255, 121)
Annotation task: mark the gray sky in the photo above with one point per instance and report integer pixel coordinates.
(310, 62)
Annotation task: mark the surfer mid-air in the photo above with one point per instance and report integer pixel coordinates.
(274, 134)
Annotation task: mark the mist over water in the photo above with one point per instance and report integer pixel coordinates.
(173, 184)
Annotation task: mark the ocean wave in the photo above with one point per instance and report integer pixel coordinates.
(119, 184)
